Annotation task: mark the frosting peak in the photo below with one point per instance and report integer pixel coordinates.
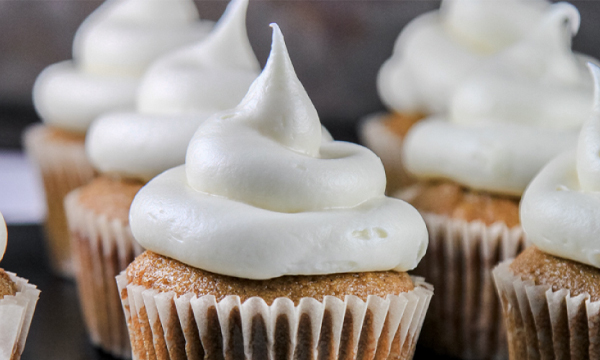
(278, 105)
(209, 76)
(265, 193)
(177, 93)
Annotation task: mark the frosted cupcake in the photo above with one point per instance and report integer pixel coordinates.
(508, 119)
(17, 304)
(433, 56)
(273, 241)
(551, 292)
(112, 49)
(178, 92)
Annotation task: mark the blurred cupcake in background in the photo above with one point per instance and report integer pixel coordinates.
(551, 292)
(505, 121)
(18, 299)
(274, 241)
(111, 50)
(177, 93)
(434, 54)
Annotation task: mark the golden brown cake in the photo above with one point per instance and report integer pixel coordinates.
(7, 286)
(154, 271)
(110, 196)
(558, 273)
(400, 123)
(458, 202)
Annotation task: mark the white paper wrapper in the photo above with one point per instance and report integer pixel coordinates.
(547, 324)
(465, 319)
(64, 167)
(165, 326)
(388, 146)
(16, 312)
(102, 248)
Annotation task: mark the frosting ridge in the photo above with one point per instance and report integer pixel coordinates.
(264, 193)
(112, 49)
(436, 51)
(560, 207)
(512, 115)
(177, 93)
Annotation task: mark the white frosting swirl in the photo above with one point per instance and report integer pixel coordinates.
(561, 207)
(512, 115)
(176, 95)
(3, 236)
(438, 50)
(263, 194)
(112, 49)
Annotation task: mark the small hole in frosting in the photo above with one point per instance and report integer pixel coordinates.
(381, 233)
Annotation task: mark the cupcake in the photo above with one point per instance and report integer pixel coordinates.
(434, 54)
(17, 304)
(178, 92)
(508, 119)
(273, 241)
(551, 292)
(112, 49)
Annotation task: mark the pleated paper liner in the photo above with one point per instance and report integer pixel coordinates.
(388, 146)
(64, 167)
(16, 312)
(102, 248)
(163, 325)
(547, 324)
(465, 319)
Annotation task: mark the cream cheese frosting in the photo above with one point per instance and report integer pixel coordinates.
(3, 236)
(264, 193)
(561, 207)
(178, 92)
(438, 50)
(511, 115)
(112, 49)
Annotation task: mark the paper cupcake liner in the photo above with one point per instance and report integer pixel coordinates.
(163, 325)
(64, 167)
(16, 312)
(388, 146)
(465, 319)
(546, 324)
(102, 248)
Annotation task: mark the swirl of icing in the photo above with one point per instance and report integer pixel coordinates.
(263, 194)
(512, 115)
(561, 207)
(177, 93)
(3, 236)
(436, 51)
(112, 49)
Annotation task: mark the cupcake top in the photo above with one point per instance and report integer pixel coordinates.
(177, 93)
(561, 207)
(511, 115)
(438, 50)
(265, 193)
(112, 49)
